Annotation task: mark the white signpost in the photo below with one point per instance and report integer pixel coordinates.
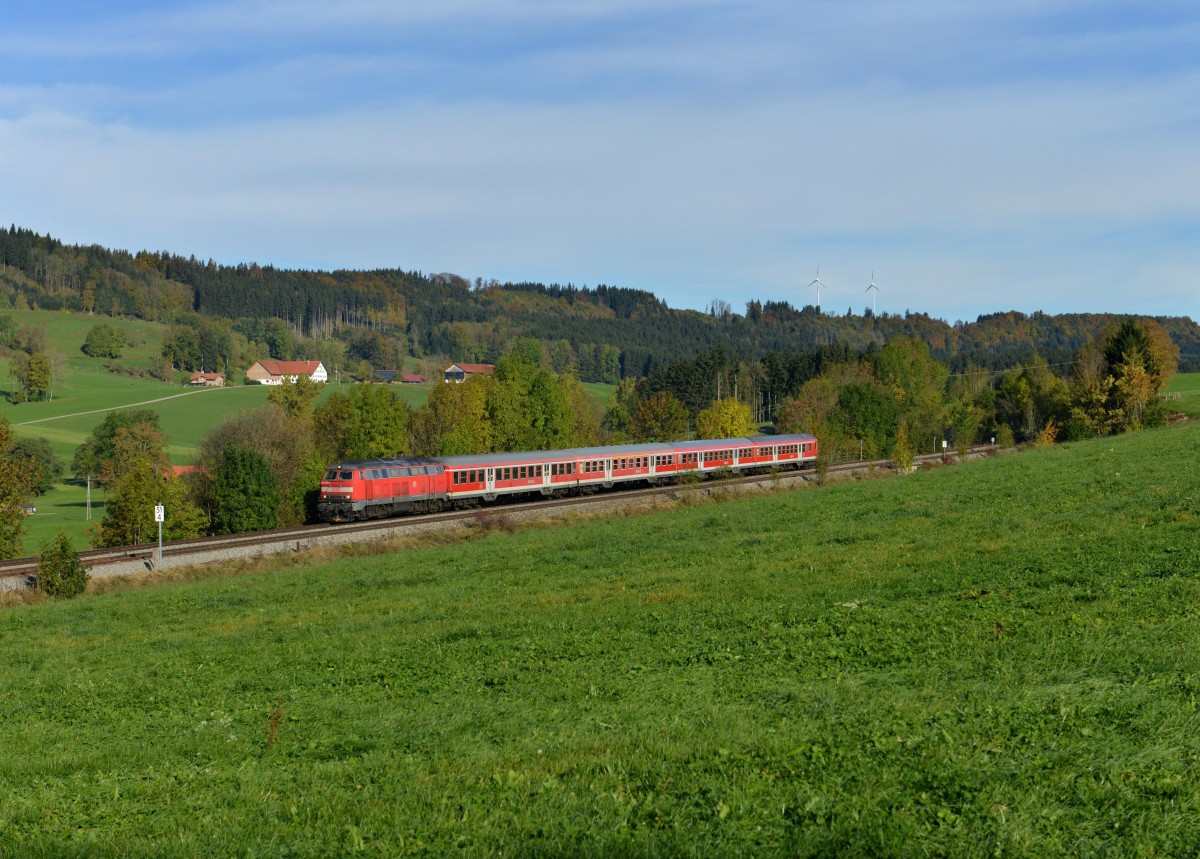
(160, 514)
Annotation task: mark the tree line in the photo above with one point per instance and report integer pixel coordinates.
(601, 334)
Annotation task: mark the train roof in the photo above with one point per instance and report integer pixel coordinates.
(645, 449)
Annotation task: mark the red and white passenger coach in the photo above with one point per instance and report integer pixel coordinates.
(375, 488)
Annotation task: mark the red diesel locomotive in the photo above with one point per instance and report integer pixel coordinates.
(375, 488)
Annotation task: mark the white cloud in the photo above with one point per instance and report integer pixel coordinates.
(752, 158)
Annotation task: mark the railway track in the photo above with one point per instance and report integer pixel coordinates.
(19, 573)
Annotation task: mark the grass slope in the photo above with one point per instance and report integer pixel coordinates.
(994, 659)
(1187, 386)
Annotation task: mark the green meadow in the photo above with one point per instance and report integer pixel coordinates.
(999, 658)
(1187, 386)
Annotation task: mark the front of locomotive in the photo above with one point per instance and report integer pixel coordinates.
(343, 493)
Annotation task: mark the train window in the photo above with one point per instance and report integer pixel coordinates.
(521, 472)
(331, 474)
(506, 474)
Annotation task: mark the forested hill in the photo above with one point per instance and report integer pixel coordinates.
(605, 331)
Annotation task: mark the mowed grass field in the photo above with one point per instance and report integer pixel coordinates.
(1187, 386)
(999, 658)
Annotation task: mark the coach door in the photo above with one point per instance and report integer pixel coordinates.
(491, 480)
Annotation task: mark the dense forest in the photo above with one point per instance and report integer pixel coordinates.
(604, 333)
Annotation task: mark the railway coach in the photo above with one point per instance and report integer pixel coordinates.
(375, 488)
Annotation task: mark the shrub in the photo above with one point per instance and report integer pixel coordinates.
(60, 572)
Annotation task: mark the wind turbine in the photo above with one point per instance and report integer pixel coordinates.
(876, 295)
(818, 284)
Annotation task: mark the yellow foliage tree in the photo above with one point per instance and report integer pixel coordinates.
(726, 418)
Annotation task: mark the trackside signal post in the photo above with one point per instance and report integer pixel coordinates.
(160, 513)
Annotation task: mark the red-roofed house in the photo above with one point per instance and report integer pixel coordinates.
(462, 372)
(207, 380)
(274, 372)
(411, 379)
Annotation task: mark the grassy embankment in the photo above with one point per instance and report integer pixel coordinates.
(999, 658)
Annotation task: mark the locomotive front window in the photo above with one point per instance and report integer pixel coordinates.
(331, 474)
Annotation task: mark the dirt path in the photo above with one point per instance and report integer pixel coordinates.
(118, 408)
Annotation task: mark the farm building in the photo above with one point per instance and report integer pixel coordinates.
(462, 372)
(275, 372)
(207, 380)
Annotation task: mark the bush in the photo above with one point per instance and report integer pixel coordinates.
(60, 572)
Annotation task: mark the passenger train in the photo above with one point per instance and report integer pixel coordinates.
(375, 488)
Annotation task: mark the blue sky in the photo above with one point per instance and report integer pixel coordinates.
(977, 157)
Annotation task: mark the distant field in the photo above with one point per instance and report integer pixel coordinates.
(993, 659)
(1187, 385)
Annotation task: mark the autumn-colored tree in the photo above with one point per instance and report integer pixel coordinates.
(659, 417)
(810, 410)
(16, 491)
(34, 376)
(725, 418)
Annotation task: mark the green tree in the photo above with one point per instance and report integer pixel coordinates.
(103, 341)
(245, 494)
(16, 490)
(97, 448)
(34, 376)
(60, 571)
(295, 398)
(659, 417)
(866, 412)
(129, 508)
(916, 382)
(41, 460)
(615, 423)
(287, 445)
(725, 418)
(454, 420)
(367, 421)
